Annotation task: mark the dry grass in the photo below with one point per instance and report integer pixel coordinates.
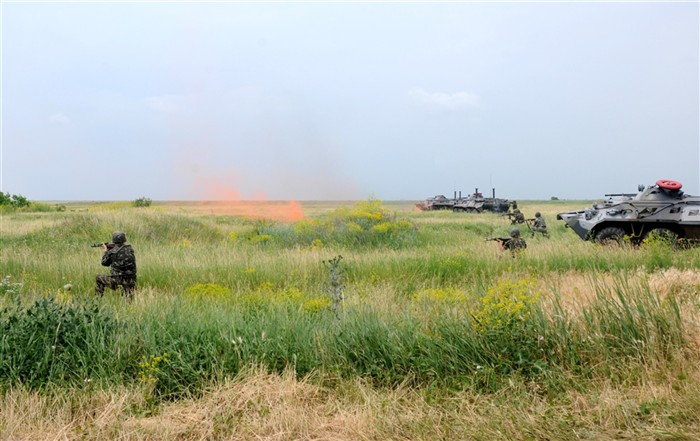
(575, 289)
(260, 406)
(12, 225)
(660, 403)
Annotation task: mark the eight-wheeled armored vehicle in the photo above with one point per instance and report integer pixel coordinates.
(439, 202)
(661, 209)
(476, 203)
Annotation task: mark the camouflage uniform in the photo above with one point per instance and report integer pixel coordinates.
(515, 244)
(122, 262)
(539, 225)
(517, 217)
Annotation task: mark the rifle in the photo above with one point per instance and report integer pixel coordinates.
(109, 245)
(500, 240)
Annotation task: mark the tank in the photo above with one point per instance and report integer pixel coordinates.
(477, 203)
(661, 209)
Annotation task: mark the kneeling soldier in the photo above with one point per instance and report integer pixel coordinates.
(122, 262)
(515, 244)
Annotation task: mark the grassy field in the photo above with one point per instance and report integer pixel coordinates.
(248, 325)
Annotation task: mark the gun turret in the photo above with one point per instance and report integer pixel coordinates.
(629, 195)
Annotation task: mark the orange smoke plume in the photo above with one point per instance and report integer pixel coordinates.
(223, 200)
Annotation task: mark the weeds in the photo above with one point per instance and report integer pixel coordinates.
(431, 307)
(336, 283)
(50, 342)
(9, 288)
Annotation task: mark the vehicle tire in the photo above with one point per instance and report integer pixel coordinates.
(458, 210)
(668, 184)
(610, 235)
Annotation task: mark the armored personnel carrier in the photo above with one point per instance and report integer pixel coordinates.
(661, 209)
(476, 203)
(439, 202)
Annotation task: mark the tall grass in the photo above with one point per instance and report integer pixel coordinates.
(480, 341)
(428, 302)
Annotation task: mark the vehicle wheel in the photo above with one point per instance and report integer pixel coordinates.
(610, 235)
(662, 235)
(458, 209)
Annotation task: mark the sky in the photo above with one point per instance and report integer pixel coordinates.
(347, 101)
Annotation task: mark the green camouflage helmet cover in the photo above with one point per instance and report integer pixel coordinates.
(514, 232)
(118, 237)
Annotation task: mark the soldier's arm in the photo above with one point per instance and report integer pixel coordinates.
(107, 258)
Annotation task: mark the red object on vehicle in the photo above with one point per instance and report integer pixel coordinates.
(668, 184)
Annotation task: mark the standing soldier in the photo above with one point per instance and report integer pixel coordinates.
(539, 225)
(122, 262)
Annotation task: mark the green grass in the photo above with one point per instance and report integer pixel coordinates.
(216, 298)
(429, 304)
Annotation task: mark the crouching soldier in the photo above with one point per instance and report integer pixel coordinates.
(122, 262)
(516, 244)
(539, 225)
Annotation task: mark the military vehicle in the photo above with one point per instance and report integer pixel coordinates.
(660, 210)
(439, 202)
(476, 203)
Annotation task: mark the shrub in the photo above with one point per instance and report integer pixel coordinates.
(142, 202)
(505, 306)
(207, 291)
(51, 342)
(14, 201)
(367, 223)
(505, 322)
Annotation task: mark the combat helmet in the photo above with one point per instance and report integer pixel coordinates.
(537, 214)
(118, 237)
(514, 233)
(517, 210)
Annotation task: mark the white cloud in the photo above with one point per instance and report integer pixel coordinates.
(444, 101)
(164, 103)
(59, 118)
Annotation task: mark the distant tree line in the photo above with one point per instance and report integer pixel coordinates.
(14, 200)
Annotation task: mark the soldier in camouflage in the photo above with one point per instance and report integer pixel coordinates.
(122, 262)
(517, 217)
(515, 244)
(539, 225)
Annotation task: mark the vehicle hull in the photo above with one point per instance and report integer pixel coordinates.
(636, 216)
